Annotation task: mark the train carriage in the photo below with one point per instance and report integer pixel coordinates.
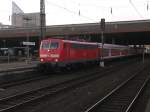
(61, 53)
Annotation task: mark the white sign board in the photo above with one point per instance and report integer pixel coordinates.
(29, 43)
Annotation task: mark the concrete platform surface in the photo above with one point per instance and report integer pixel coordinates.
(17, 65)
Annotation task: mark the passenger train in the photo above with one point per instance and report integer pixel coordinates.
(63, 53)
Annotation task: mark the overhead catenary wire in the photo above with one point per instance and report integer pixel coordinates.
(96, 9)
(130, 1)
(71, 11)
(80, 12)
(92, 5)
(87, 4)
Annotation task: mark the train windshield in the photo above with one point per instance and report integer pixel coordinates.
(49, 45)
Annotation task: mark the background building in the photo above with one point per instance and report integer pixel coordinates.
(26, 20)
(21, 19)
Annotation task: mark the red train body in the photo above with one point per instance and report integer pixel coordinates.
(61, 53)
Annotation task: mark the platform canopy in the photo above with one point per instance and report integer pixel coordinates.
(126, 32)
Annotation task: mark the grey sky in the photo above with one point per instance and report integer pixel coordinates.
(80, 11)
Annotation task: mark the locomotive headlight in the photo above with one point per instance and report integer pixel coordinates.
(42, 60)
(54, 55)
(56, 60)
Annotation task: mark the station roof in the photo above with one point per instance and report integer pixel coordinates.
(134, 31)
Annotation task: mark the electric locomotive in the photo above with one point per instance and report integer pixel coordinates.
(60, 53)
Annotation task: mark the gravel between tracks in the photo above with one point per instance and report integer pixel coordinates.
(143, 102)
(80, 98)
(51, 80)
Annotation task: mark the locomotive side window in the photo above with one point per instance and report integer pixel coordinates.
(83, 46)
(73, 45)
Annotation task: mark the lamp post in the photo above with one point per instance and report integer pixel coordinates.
(27, 19)
(7, 51)
(143, 54)
(102, 24)
(4, 42)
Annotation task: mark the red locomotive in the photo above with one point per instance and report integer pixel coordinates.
(62, 53)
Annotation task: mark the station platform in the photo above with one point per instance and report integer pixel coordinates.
(4, 67)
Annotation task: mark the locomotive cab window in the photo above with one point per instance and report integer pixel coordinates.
(54, 45)
(49, 45)
(45, 45)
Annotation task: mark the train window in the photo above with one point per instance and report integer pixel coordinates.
(106, 52)
(54, 45)
(90, 47)
(75, 46)
(45, 45)
(83, 46)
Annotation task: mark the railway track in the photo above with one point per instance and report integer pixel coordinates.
(16, 70)
(123, 97)
(14, 102)
(7, 84)
(34, 78)
(142, 103)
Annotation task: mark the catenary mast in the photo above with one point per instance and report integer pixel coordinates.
(42, 20)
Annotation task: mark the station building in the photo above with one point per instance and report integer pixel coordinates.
(27, 25)
(21, 19)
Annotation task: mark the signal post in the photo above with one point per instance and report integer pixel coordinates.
(102, 25)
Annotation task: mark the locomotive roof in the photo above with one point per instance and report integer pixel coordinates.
(80, 42)
(113, 46)
(91, 43)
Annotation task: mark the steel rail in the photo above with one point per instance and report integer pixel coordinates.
(22, 81)
(91, 109)
(138, 94)
(54, 89)
(17, 70)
